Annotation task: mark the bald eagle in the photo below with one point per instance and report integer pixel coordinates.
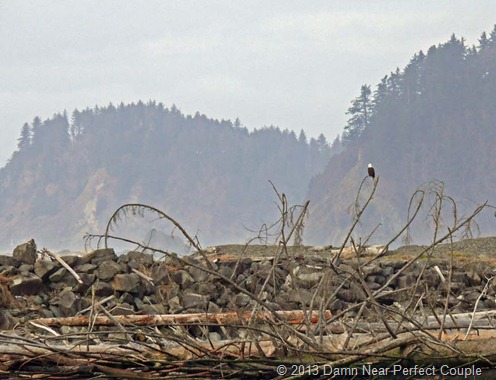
(371, 171)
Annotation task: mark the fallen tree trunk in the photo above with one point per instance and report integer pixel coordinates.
(451, 347)
(229, 318)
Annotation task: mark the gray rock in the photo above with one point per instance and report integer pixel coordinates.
(175, 305)
(213, 308)
(371, 269)
(26, 286)
(309, 280)
(102, 289)
(99, 255)
(44, 268)
(337, 306)
(182, 278)
(57, 275)
(387, 271)
(226, 271)
(126, 282)
(139, 258)
(68, 304)
(123, 309)
(160, 274)
(242, 300)
(7, 321)
(8, 261)
(198, 274)
(471, 297)
(45, 313)
(406, 281)
(55, 311)
(72, 260)
(214, 337)
(26, 253)
(107, 270)
(26, 269)
(209, 289)
(85, 268)
(138, 303)
(153, 309)
(88, 280)
(347, 295)
(38, 300)
(300, 296)
(126, 298)
(474, 277)
(195, 301)
(9, 271)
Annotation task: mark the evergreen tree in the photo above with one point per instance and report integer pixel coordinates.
(361, 112)
(25, 139)
(484, 42)
(302, 137)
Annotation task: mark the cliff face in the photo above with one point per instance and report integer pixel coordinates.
(429, 126)
(68, 177)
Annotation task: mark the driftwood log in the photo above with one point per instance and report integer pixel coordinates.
(291, 316)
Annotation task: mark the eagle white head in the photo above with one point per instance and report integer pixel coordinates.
(371, 171)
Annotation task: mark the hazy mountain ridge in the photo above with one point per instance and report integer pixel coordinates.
(433, 120)
(68, 177)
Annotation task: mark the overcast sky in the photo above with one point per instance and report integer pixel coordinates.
(294, 64)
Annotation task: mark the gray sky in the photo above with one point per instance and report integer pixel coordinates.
(294, 64)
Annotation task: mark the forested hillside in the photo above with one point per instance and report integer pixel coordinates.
(69, 174)
(434, 119)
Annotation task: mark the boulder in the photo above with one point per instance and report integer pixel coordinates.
(44, 268)
(57, 275)
(160, 274)
(85, 268)
(71, 260)
(26, 269)
(175, 305)
(309, 280)
(126, 283)
(26, 286)
(136, 259)
(107, 270)
(67, 303)
(123, 309)
(198, 274)
(8, 261)
(26, 253)
(213, 308)
(99, 255)
(9, 271)
(88, 280)
(182, 278)
(153, 309)
(242, 300)
(195, 301)
(103, 289)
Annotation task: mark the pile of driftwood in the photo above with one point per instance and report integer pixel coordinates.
(160, 346)
(369, 337)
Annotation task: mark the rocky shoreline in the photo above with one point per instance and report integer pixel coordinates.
(36, 285)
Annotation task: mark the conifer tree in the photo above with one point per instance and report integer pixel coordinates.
(360, 111)
(25, 139)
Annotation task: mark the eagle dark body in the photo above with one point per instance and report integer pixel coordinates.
(371, 171)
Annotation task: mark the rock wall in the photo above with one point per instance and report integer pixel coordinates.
(35, 285)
